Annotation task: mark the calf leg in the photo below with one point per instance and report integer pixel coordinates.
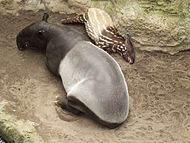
(73, 18)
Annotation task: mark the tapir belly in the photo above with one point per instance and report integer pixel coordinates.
(93, 77)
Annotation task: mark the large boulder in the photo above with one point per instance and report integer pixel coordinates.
(15, 130)
(159, 25)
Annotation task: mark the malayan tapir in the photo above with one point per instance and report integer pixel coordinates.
(93, 80)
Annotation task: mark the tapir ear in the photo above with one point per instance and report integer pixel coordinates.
(127, 37)
(41, 33)
(45, 17)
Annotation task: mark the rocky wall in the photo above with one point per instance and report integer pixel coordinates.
(154, 25)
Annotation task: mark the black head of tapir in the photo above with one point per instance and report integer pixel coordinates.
(34, 35)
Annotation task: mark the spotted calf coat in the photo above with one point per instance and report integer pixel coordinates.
(100, 29)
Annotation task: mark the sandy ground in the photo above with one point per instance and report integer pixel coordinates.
(159, 88)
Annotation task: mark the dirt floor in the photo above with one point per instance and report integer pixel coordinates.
(159, 88)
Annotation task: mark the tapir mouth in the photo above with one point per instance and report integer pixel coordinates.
(130, 60)
(24, 46)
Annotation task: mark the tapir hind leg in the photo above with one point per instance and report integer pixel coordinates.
(77, 108)
(64, 103)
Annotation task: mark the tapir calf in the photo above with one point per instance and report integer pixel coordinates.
(93, 80)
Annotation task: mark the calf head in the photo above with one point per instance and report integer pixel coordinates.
(129, 54)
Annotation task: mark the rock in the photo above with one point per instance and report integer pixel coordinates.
(2, 140)
(17, 131)
(156, 26)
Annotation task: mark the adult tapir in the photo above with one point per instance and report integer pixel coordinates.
(93, 80)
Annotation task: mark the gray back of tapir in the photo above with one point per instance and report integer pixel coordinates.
(93, 80)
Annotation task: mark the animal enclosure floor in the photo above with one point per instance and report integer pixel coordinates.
(159, 89)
